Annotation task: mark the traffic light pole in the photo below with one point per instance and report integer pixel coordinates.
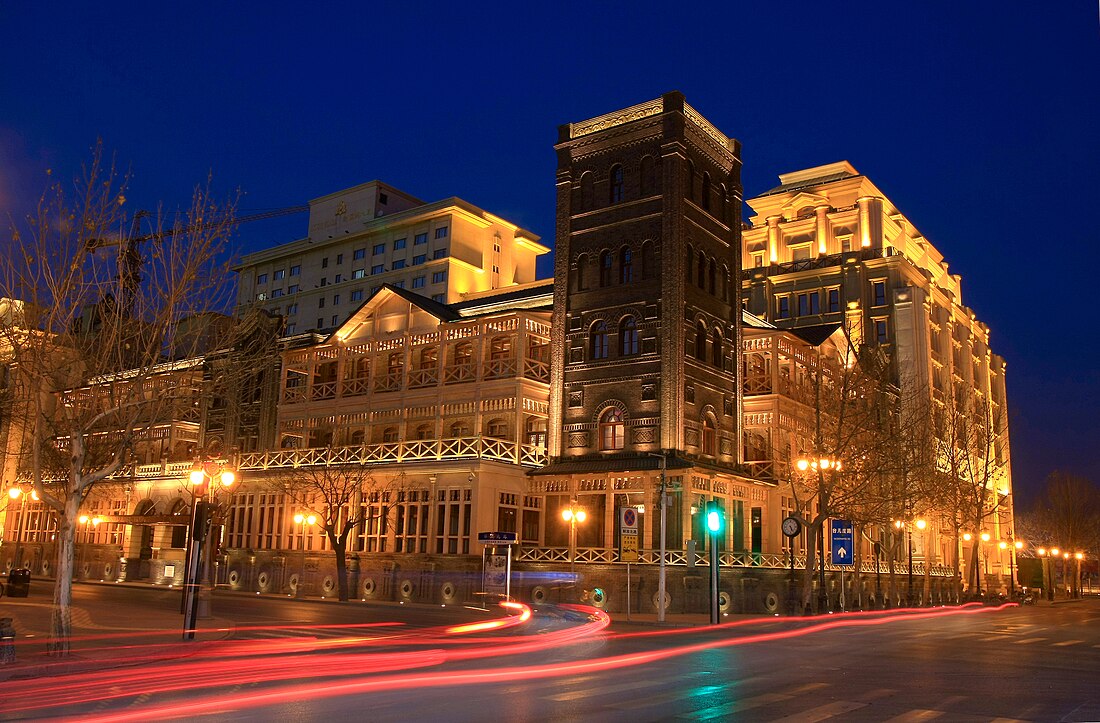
(714, 578)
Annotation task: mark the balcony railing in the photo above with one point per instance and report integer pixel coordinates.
(605, 555)
(503, 450)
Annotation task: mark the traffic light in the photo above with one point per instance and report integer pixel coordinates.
(716, 518)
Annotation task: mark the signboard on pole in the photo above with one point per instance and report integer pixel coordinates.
(497, 538)
(843, 546)
(628, 534)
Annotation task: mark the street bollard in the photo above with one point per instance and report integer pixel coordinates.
(7, 641)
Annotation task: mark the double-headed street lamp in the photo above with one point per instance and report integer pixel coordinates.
(900, 525)
(574, 515)
(84, 521)
(206, 478)
(819, 465)
(16, 492)
(303, 520)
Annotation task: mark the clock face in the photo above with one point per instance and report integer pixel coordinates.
(791, 526)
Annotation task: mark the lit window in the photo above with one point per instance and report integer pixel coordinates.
(612, 429)
(598, 346)
(758, 260)
(464, 354)
(358, 273)
(441, 232)
(497, 428)
(628, 336)
(800, 253)
(278, 275)
(398, 244)
(710, 436)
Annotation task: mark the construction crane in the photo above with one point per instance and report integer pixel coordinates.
(131, 263)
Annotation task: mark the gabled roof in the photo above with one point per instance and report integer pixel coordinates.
(443, 312)
(750, 319)
(815, 335)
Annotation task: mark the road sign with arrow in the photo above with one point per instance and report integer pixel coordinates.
(843, 546)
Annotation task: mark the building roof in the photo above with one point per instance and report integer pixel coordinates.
(611, 463)
(813, 177)
(814, 335)
(536, 296)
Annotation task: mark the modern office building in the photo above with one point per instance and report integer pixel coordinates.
(373, 234)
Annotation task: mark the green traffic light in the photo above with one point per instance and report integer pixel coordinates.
(714, 518)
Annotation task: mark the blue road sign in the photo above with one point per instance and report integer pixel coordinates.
(843, 546)
(508, 538)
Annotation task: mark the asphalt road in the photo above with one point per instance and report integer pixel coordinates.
(1030, 663)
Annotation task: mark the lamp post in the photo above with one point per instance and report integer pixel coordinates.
(819, 465)
(1077, 576)
(921, 524)
(662, 500)
(902, 525)
(1065, 575)
(981, 549)
(17, 493)
(84, 520)
(574, 515)
(1017, 545)
(1047, 591)
(205, 478)
(304, 520)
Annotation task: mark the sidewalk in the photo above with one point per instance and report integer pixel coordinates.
(95, 639)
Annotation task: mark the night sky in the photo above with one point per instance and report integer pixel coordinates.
(978, 119)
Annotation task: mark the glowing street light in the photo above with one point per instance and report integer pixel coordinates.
(303, 520)
(574, 515)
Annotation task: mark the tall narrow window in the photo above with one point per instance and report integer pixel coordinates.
(701, 278)
(612, 429)
(704, 194)
(879, 292)
(711, 272)
(598, 342)
(716, 348)
(587, 195)
(628, 336)
(626, 266)
(616, 195)
(582, 262)
(647, 259)
(605, 268)
(701, 342)
(710, 435)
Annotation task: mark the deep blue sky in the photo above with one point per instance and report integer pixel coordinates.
(978, 119)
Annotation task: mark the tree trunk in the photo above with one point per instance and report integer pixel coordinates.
(956, 580)
(61, 622)
(975, 570)
(340, 547)
(857, 569)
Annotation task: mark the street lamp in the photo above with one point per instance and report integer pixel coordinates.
(304, 520)
(1077, 577)
(662, 500)
(206, 477)
(819, 465)
(574, 515)
(17, 493)
(84, 520)
(921, 524)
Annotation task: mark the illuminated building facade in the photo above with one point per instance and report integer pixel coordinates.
(373, 234)
(826, 246)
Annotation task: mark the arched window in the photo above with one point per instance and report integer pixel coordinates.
(598, 341)
(710, 276)
(429, 357)
(647, 259)
(582, 263)
(710, 436)
(605, 268)
(626, 266)
(612, 429)
(357, 437)
(460, 429)
(701, 279)
(424, 431)
(648, 173)
(616, 194)
(701, 342)
(587, 192)
(536, 431)
(716, 348)
(464, 353)
(389, 434)
(396, 362)
(497, 428)
(628, 336)
(704, 195)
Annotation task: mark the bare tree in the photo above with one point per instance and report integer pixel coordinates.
(95, 348)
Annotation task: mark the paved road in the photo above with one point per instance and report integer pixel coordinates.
(1032, 663)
